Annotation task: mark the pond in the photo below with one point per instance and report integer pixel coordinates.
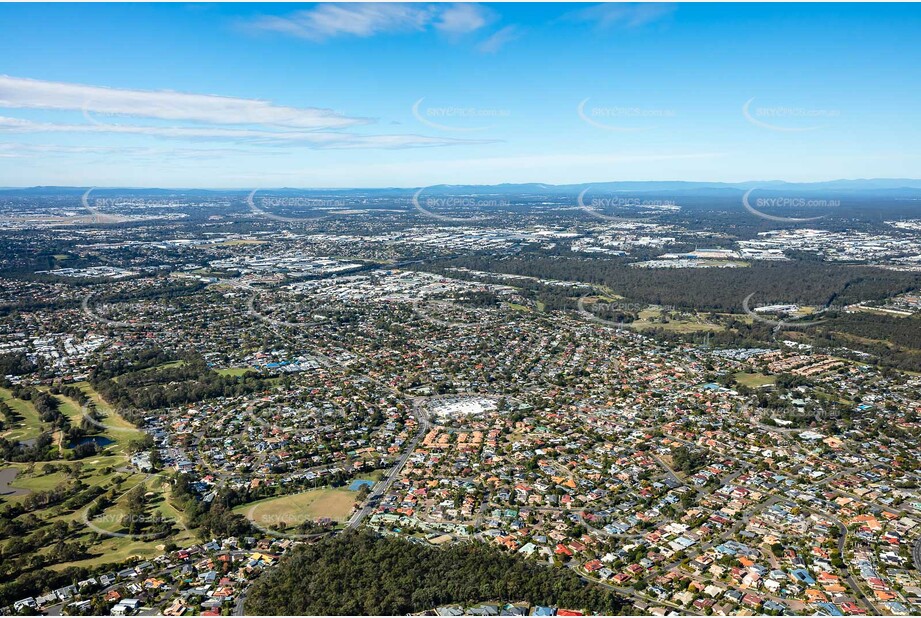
(100, 441)
(7, 476)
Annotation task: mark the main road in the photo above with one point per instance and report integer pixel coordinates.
(384, 486)
(916, 553)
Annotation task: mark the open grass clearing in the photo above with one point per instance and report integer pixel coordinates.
(754, 380)
(234, 371)
(680, 323)
(335, 504)
(241, 241)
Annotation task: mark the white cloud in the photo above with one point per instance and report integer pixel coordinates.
(463, 17)
(314, 139)
(629, 15)
(165, 105)
(360, 19)
(498, 39)
(215, 118)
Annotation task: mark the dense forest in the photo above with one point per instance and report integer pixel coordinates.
(359, 573)
(168, 290)
(894, 341)
(706, 289)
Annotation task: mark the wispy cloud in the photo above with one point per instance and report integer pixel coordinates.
(197, 116)
(626, 15)
(326, 21)
(18, 92)
(20, 150)
(314, 139)
(498, 39)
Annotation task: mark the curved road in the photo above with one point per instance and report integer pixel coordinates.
(848, 577)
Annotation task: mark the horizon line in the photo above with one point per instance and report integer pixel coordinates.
(469, 184)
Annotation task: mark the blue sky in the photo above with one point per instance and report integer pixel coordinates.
(357, 95)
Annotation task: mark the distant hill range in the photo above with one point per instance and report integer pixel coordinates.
(890, 187)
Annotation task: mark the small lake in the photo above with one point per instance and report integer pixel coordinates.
(100, 441)
(7, 476)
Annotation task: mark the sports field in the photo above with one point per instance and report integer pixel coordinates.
(753, 380)
(336, 504)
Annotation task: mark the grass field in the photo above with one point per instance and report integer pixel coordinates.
(120, 430)
(169, 365)
(158, 502)
(234, 371)
(754, 380)
(105, 549)
(29, 425)
(336, 504)
(109, 550)
(36, 481)
(70, 408)
(608, 294)
(241, 241)
(116, 549)
(648, 319)
(101, 470)
(893, 313)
